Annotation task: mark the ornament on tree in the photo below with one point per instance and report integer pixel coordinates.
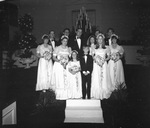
(26, 23)
(27, 41)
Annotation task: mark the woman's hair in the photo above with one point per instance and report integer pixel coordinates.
(97, 44)
(64, 37)
(88, 40)
(45, 36)
(114, 36)
(74, 51)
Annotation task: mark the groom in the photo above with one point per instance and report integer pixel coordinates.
(76, 42)
(86, 63)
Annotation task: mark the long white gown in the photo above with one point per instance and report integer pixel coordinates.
(116, 69)
(44, 69)
(101, 87)
(74, 81)
(59, 76)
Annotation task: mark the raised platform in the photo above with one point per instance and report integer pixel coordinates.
(83, 103)
(85, 111)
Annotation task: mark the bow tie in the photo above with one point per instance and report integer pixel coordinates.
(78, 37)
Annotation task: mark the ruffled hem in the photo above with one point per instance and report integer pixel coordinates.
(62, 94)
(101, 95)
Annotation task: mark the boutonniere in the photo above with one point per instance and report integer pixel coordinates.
(75, 39)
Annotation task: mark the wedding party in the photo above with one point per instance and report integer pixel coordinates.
(75, 63)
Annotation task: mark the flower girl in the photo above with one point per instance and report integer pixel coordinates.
(74, 76)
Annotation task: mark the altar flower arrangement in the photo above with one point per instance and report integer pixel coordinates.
(26, 58)
(99, 60)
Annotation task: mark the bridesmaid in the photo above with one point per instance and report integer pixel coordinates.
(91, 42)
(101, 83)
(115, 64)
(61, 56)
(44, 53)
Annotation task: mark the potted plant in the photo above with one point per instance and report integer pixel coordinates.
(144, 55)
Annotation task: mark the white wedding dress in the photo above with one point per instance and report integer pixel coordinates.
(74, 81)
(116, 69)
(44, 69)
(59, 76)
(101, 86)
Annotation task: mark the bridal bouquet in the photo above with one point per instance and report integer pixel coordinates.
(75, 68)
(115, 56)
(47, 55)
(64, 61)
(99, 60)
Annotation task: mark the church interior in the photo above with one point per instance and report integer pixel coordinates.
(130, 21)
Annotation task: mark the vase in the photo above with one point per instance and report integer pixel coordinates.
(27, 61)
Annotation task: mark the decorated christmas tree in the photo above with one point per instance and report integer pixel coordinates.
(27, 41)
(26, 23)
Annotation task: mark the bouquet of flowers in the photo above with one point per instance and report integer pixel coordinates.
(47, 55)
(115, 56)
(64, 61)
(75, 69)
(99, 60)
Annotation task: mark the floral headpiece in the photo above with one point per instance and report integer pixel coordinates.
(114, 35)
(45, 36)
(64, 36)
(100, 34)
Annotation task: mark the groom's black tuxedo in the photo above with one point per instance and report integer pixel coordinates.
(74, 46)
(86, 79)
